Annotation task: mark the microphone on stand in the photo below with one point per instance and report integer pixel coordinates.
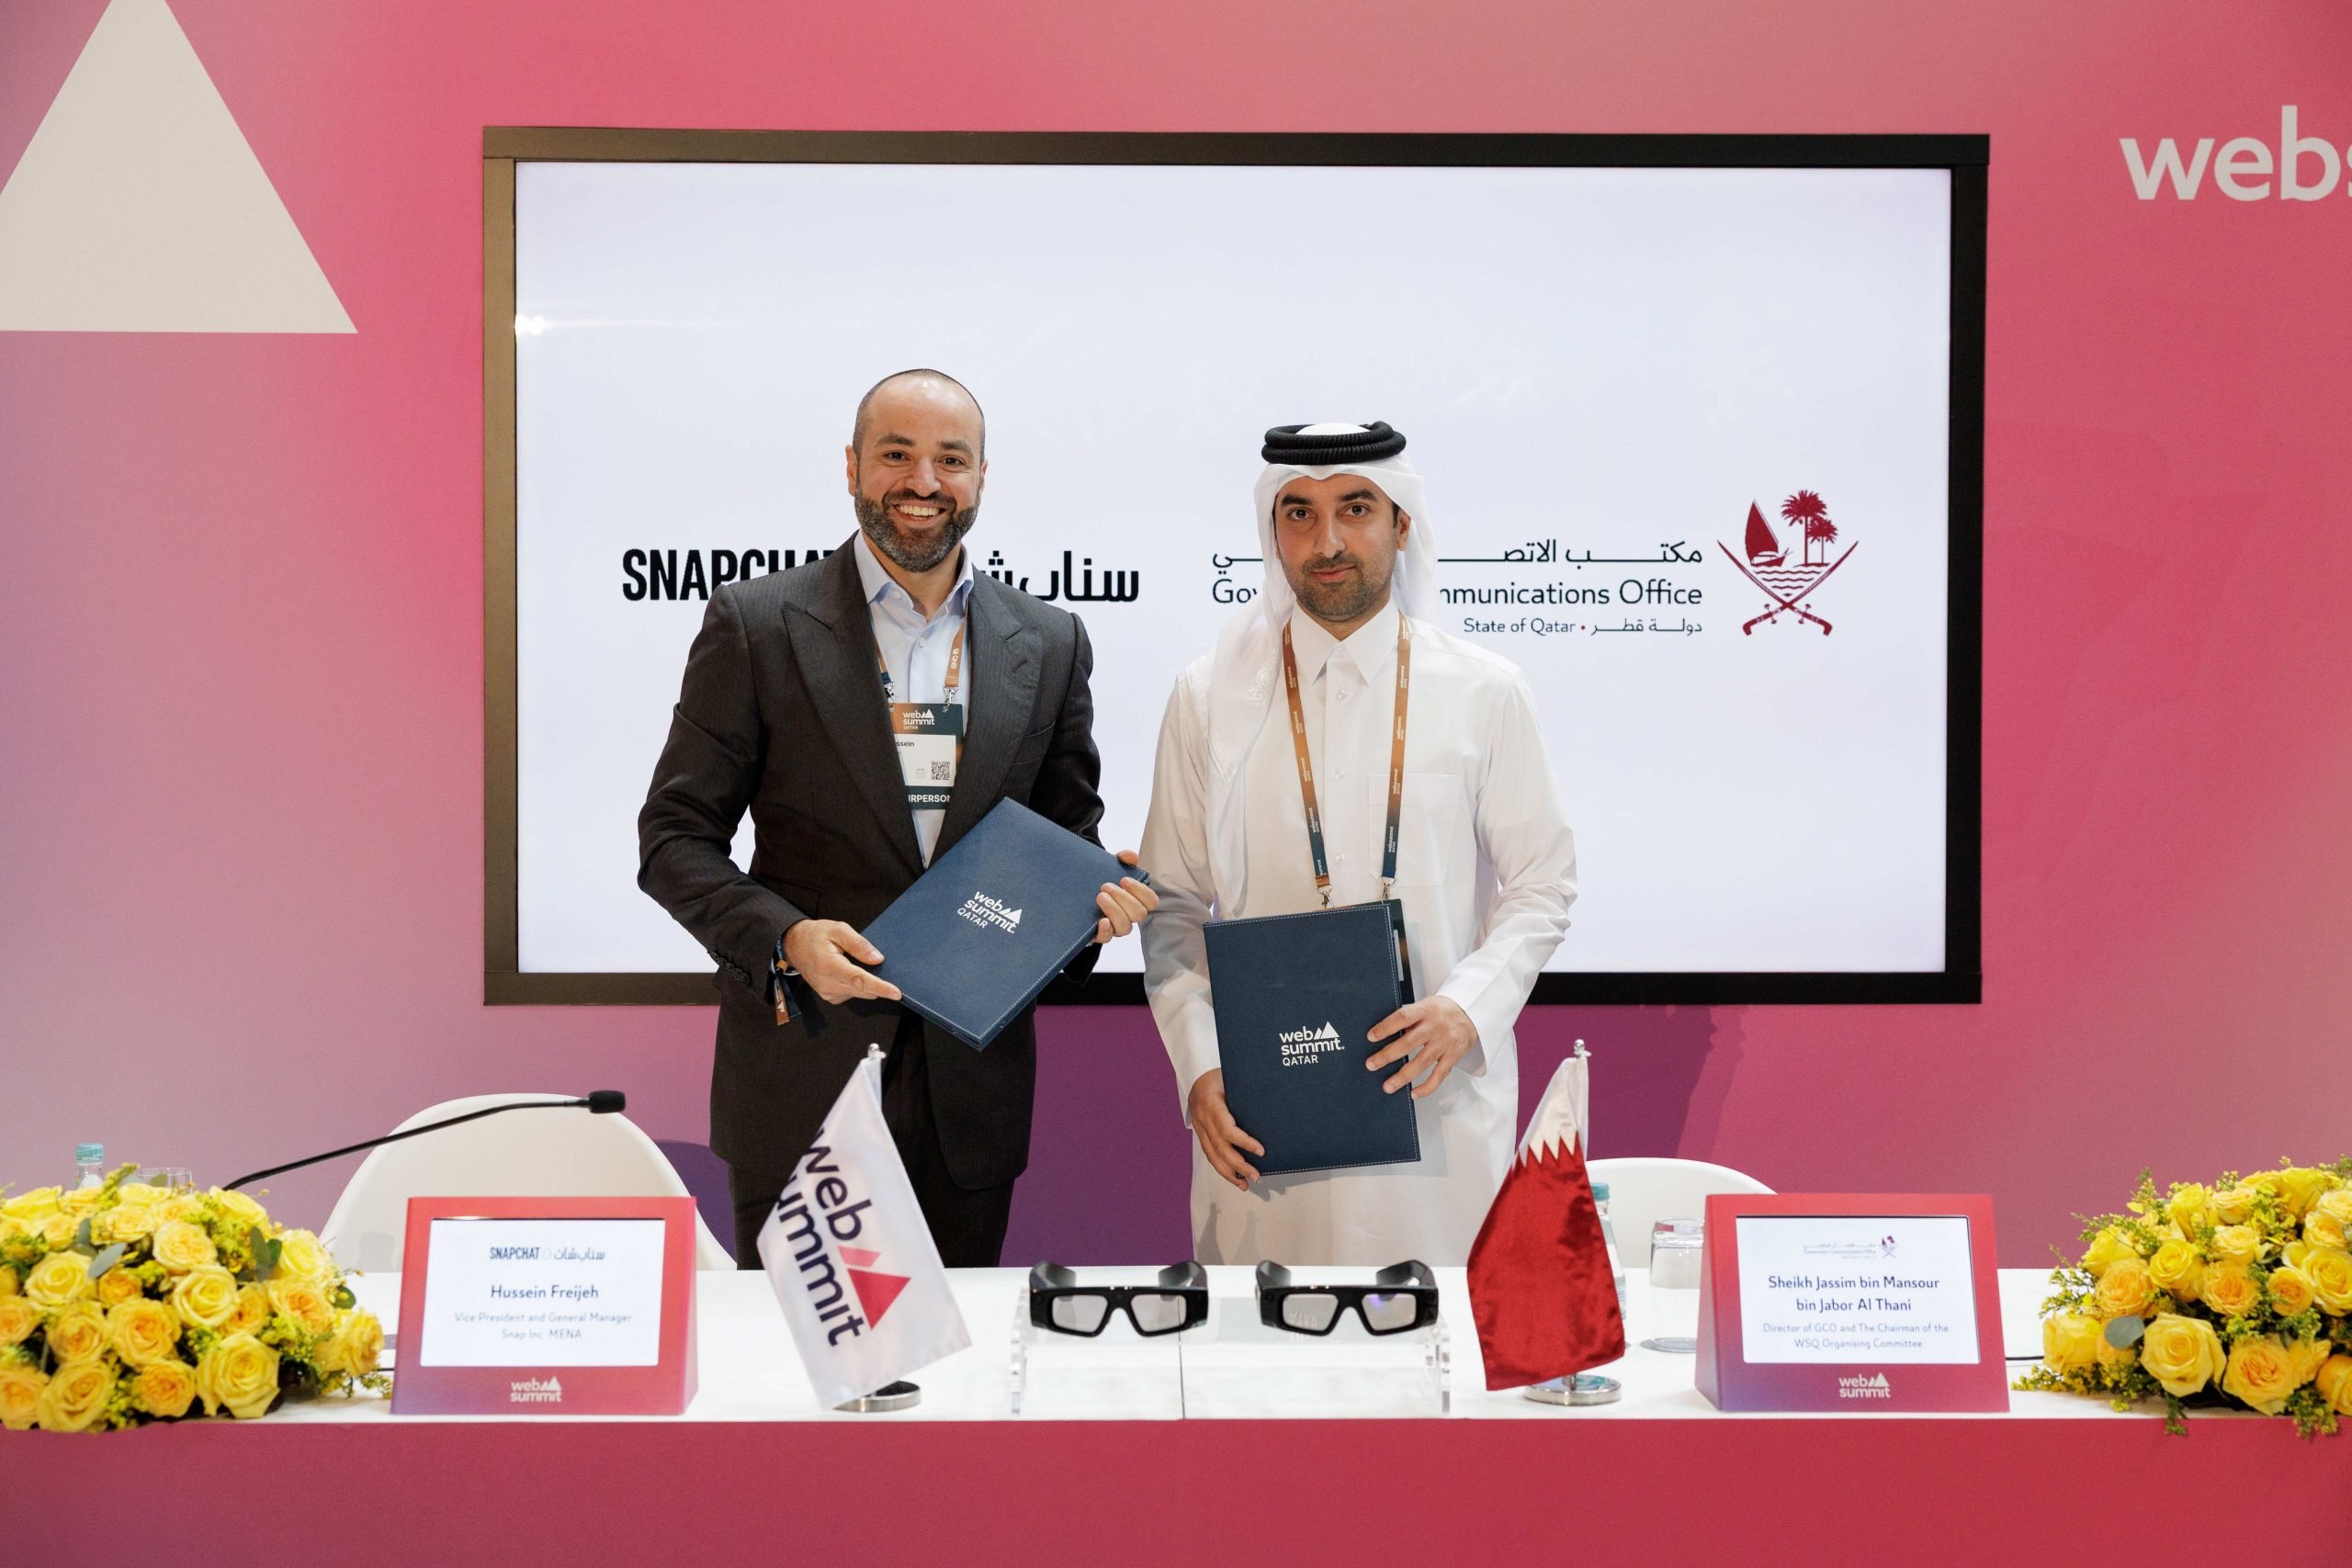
(601, 1103)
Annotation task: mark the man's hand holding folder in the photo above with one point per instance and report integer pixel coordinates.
(1221, 1141)
(821, 953)
(826, 954)
(1427, 1037)
(1124, 904)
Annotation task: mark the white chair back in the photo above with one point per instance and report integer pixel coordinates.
(1644, 1190)
(562, 1153)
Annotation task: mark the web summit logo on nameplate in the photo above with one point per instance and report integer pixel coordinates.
(535, 1390)
(1871, 1385)
(1305, 1047)
(984, 911)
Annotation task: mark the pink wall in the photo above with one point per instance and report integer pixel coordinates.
(240, 586)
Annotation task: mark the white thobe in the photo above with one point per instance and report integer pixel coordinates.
(1485, 868)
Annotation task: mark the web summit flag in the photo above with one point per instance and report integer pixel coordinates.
(1540, 1286)
(852, 1262)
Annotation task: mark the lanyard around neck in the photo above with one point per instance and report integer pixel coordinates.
(1306, 767)
(955, 666)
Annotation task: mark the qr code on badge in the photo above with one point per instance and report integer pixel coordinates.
(939, 771)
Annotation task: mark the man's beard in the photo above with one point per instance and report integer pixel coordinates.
(1347, 600)
(913, 555)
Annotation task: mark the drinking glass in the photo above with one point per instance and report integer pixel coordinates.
(1675, 1249)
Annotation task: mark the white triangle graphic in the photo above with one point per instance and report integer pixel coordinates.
(139, 205)
(1014, 916)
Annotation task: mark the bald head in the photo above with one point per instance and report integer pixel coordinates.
(933, 390)
(916, 468)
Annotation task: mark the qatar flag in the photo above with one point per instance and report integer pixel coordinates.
(1540, 1287)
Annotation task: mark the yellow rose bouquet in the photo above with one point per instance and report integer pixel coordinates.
(2238, 1295)
(125, 1303)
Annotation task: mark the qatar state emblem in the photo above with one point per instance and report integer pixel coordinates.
(1789, 584)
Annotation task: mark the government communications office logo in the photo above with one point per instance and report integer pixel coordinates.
(1789, 583)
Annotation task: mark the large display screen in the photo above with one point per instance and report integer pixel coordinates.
(1699, 431)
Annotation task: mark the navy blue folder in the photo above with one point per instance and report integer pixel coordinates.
(992, 920)
(1296, 998)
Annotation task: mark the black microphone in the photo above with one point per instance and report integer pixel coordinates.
(601, 1102)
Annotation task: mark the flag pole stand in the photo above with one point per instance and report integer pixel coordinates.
(889, 1396)
(1584, 1389)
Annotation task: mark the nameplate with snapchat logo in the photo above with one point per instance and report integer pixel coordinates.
(535, 1306)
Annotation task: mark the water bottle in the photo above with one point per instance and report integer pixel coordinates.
(1609, 1239)
(91, 1159)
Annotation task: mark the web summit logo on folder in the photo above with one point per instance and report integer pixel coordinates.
(1305, 1047)
(984, 911)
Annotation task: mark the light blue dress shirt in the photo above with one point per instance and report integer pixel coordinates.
(914, 649)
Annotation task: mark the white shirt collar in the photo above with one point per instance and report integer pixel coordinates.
(1366, 646)
(878, 584)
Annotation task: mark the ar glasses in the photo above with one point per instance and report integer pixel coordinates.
(1400, 1297)
(1058, 1301)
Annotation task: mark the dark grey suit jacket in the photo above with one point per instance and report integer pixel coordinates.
(782, 713)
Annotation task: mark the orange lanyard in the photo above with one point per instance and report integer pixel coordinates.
(1306, 767)
(955, 666)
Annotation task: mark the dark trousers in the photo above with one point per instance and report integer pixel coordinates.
(968, 1225)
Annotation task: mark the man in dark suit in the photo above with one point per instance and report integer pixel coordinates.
(787, 711)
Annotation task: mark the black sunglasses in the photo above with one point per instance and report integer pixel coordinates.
(1400, 1298)
(1058, 1301)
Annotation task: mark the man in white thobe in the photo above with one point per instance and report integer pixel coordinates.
(1486, 863)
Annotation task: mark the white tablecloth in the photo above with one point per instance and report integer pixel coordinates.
(749, 1371)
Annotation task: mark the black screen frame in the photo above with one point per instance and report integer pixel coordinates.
(1966, 157)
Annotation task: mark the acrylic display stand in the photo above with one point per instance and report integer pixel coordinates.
(1236, 1368)
(1231, 1368)
(1115, 1375)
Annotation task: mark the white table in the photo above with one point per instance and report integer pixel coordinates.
(749, 1371)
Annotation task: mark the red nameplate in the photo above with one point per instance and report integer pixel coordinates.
(1851, 1302)
(547, 1306)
